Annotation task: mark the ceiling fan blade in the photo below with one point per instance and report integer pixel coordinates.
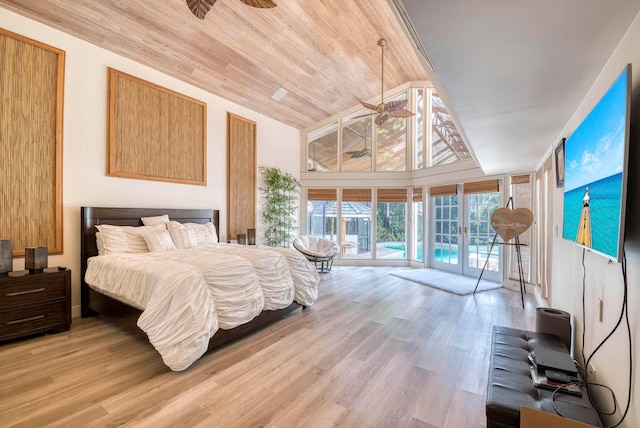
(200, 7)
(396, 105)
(365, 115)
(401, 113)
(381, 119)
(261, 4)
(369, 106)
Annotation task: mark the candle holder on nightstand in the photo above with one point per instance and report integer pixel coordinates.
(36, 259)
(251, 236)
(6, 257)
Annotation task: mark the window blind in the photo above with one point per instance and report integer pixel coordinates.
(392, 195)
(417, 194)
(451, 189)
(521, 179)
(356, 195)
(486, 186)
(322, 194)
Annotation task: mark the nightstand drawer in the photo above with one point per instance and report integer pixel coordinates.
(34, 290)
(35, 319)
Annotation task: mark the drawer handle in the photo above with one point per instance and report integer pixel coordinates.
(25, 320)
(20, 293)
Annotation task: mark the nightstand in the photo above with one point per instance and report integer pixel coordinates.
(33, 303)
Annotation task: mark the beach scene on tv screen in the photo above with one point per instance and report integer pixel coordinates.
(594, 163)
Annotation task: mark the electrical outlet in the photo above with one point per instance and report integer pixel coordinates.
(591, 371)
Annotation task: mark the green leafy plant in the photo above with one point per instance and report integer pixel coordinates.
(280, 202)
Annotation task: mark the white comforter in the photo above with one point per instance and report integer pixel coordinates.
(186, 295)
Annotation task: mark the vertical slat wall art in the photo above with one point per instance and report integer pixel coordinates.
(242, 175)
(31, 114)
(155, 133)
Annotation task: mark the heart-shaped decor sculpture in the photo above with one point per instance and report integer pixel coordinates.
(510, 223)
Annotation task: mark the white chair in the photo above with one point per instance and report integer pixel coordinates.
(318, 250)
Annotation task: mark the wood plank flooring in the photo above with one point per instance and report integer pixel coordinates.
(374, 351)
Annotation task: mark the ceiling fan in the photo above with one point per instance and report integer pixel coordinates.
(200, 7)
(384, 111)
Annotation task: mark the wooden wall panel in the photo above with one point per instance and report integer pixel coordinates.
(242, 175)
(155, 133)
(31, 116)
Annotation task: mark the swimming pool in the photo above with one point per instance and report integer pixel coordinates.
(447, 255)
(400, 248)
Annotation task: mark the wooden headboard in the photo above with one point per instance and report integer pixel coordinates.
(92, 216)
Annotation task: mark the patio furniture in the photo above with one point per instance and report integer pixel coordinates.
(318, 250)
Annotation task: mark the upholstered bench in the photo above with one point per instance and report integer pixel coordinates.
(510, 386)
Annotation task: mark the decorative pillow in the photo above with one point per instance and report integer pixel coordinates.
(183, 238)
(205, 233)
(152, 221)
(174, 225)
(114, 239)
(135, 240)
(158, 240)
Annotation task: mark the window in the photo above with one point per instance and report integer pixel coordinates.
(447, 145)
(391, 221)
(544, 195)
(391, 146)
(419, 140)
(356, 223)
(432, 138)
(417, 248)
(521, 192)
(357, 142)
(322, 213)
(322, 149)
(483, 198)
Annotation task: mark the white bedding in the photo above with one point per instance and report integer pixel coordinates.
(186, 295)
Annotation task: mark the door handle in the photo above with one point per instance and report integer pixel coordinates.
(465, 231)
(459, 230)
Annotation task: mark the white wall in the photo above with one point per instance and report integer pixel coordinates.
(85, 136)
(604, 280)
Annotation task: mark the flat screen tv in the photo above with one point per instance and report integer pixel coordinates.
(595, 181)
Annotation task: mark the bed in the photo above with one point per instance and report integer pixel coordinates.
(129, 314)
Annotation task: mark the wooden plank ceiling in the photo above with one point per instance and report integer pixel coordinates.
(323, 52)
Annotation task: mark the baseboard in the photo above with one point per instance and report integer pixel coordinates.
(515, 285)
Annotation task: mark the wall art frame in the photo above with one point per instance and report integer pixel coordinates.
(155, 133)
(31, 143)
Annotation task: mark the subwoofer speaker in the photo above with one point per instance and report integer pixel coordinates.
(556, 322)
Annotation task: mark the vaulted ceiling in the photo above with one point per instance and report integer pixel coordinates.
(324, 53)
(513, 72)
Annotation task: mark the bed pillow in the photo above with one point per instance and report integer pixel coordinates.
(174, 225)
(100, 244)
(183, 238)
(113, 238)
(158, 219)
(204, 233)
(158, 240)
(135, 240)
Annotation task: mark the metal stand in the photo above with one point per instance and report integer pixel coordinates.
(523, 289)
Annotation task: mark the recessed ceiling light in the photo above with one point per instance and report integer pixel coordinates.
(280, 93)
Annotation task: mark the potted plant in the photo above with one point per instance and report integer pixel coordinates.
(280, 203)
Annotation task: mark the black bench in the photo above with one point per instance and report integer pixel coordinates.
(510, 386)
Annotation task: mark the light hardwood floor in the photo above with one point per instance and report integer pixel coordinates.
(374, 351)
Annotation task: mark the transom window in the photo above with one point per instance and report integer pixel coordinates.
(355, 143)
